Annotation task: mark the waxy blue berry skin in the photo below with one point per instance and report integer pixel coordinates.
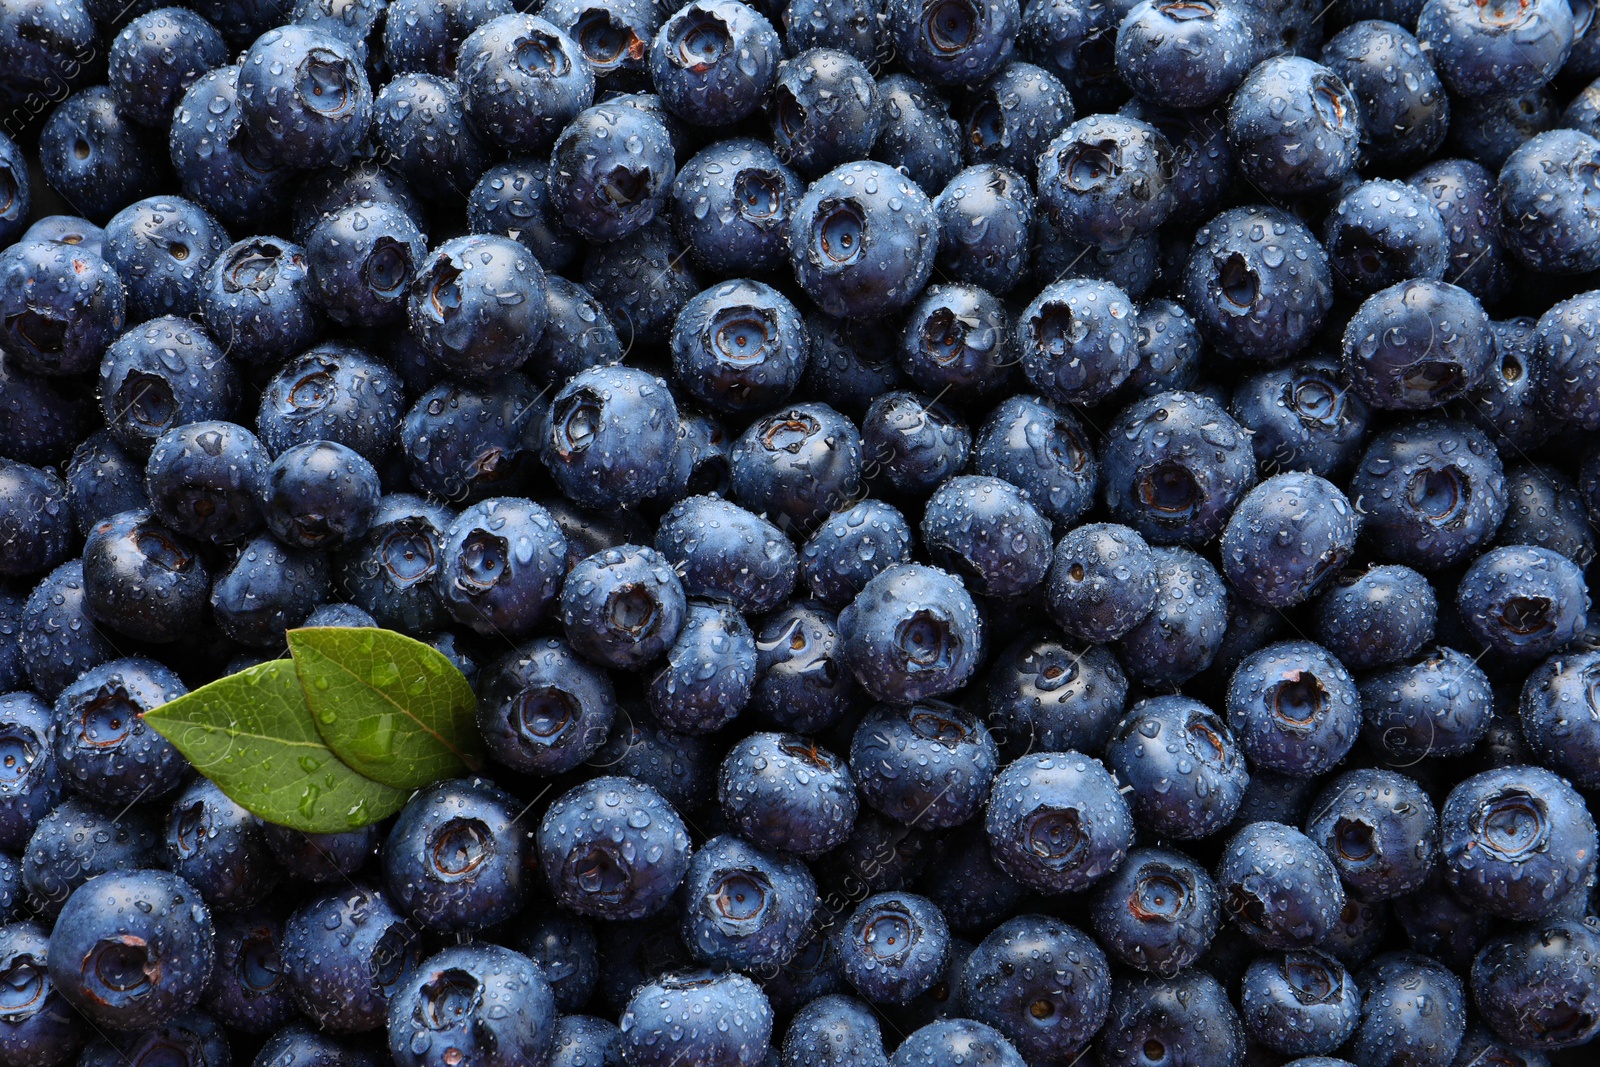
(709, 672)
(613, 848)
(1157, 912)
(360, 258)
(985, 218)
(851, 548)
(43, 1030)
(1380, 830)
(824, 110)
(622, 607)
(918, 137)
(1414, 1007)
(1546, 223)
(206, 479)
(1439, 704)
(1044, 984)
(219, 848)
(1287, 537)
(148, 924)
(989, 531)
(1043, 450)
(893, 946)
(1523, 601)
(477, 306)
(1299, 1002)
(522, 80)
(1417, 345)
(502, 566)
(720, 1020)
(1056, 822)
(1302, 416)
(746, 907)
(1517, 842)
(1383, 233)
(256, 300)
(912, 632)
(543, 710)
(955, 42)
(58, 639)
(1279, 887)
(1536, 985)
(62, 307)
(1257, 283)
(346, 953)
(1183, 57)
(1184, 770)
(833, 1030)
(1185, 632)
(610, 436)
(1106, 180)
(714, 61)
(457, 858)
(1481, 52)
(30, 782)
(390, 572)
(731, 205)
(480, 1001)
(248, 989)
(926, 765)
(950, 1040)
(1295, 126)
(320, 495)
(1188, 1016)
(333, 392)
(1556, 719)
(304, 97)
(723, 552)
(1078, 341)
(103, 746)
(862, 240)
(801, 683)
(1102, 582)
(1294, 708)
(739, 348)
(784, 792)
(611, 171)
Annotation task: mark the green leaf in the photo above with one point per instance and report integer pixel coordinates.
(390, 706)
(252, 734)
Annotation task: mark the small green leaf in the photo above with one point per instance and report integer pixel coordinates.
(252, 734)
(390, 706)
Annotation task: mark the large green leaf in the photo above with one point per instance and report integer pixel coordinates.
(252, 734)
(391, 707)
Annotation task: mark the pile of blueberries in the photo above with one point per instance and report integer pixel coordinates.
(983, 534)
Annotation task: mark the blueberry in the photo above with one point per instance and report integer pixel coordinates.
(834, 1030)
(1078, 341)
(219, 848)
(257, 300)
(863, 239)
(192, 1039)
(1183, 55)
(739, 347)
(79, 840)
(1278, 886)
(304, 96)
(347, 953)
(1417, 345)
(1013, 116)
(1468, 201)
(248, 989)
(320, 858)
(1509, 402)
(988, 530)
(611, 171)
(1546, 223)
(163, 248)
(1183, 769)
(1516, 842)
(1183, 1019)
(1536, 987)
(40, 1029)
(156, 57)
(103, 746)
(985, 215)
(1184, 633)
(1523, 601)
(578, 334)
(1299, 1002)
(463, 442)
(611, 435)
(132, 950)
(783, 792)
(1438, 705)
(477, 305)
(456, 859)
(30, 782)
(622, 607)
(1405, 111)
(1106, 181)
(713, 61)
(1556, 716)
(1483, 53)
(718, 1020)
(390, 573)
(485, 1002)
(614, 35)
(746, 907)
(917, 136)
(709, 673)
(564, 949)
(1257, 283)
(512, 199)
(361, 258)
(46, 45)
(893, 946)
(801, 682)
(501, 565)
(613, 848)
(1571, 361)
(1382, 233)
(824, 110)
(731, 203)
(542, 710)
(205, 480)
(160, 375)
(723, 552)
(36, 528)
(298, 1046)
(1043, 696)
(926, 765)
(216, 160)
(333, 392)
(94, 156)
(347, 616)
(1413, 1009)
(266, 589)
(1295, 126)
(426, 35)
(39, 421)
(320, 495)
(952, 1040)
(61, 307)
(1303, 416)
(912, 632)
(850, 362)
(1380, 830)
(1043, 451)
(420, 126)
(1431, 492)
(1547, 511)
(954, 42)
(58, 639)
(797, 465)
(1056, 821)
(643, 280)
(1157, 912)
(143, 580)
(585, 1041)
(851, 548)
(1437, 922)
(911, 442)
